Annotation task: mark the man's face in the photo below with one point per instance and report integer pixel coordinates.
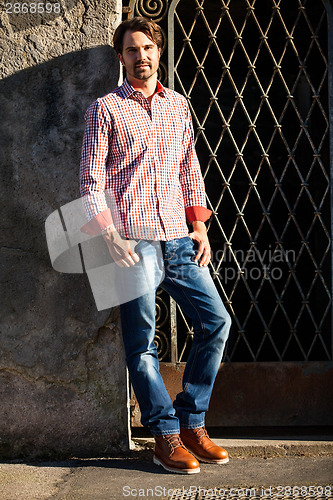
(140, 55)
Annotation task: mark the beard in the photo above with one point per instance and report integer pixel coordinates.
(144, 73)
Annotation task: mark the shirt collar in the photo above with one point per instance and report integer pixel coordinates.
(128, 90)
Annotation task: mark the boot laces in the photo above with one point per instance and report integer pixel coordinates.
(174, 441)
(200, 433)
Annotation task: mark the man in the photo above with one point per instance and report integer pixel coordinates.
(139, 146)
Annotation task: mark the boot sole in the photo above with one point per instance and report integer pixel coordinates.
(174, 469)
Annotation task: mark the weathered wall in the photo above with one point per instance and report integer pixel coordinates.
(62, 370)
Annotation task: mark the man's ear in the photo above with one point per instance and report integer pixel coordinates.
(120, 57)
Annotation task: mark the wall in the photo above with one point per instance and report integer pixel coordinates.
(63, 387)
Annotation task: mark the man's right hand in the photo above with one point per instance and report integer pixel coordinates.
(122, 251)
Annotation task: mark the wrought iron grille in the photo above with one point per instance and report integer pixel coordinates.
(255, 73)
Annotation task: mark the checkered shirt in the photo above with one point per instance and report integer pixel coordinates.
(139, 169)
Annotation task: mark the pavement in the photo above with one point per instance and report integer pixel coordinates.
(269, 468)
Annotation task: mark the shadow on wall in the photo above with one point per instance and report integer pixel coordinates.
(58, 394)
(42, 124)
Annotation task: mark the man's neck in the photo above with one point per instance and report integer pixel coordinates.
(147, 87)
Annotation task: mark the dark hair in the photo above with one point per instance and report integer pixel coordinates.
(138, 23)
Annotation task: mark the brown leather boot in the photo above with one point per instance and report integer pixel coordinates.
(198, 442)
(173, 456)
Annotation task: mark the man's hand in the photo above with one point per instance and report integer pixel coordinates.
(199, 235)
(122, 251)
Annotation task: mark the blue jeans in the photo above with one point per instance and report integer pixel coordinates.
(193, 289)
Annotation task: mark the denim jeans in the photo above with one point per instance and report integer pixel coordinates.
(193, 289)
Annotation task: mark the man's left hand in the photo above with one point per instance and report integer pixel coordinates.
(199, 235)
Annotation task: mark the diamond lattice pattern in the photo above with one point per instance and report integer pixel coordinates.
(255, 75)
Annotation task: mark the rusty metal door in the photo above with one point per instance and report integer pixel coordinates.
(257, 76)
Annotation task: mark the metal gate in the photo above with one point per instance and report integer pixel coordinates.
(256, 76)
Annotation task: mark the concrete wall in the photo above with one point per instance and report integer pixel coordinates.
(63, 384)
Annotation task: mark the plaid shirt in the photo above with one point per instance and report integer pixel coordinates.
(139, 169)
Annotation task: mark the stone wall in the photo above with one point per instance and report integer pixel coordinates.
(63, 387)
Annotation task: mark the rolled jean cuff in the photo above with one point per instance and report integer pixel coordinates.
(164, 433)
(192, 426)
